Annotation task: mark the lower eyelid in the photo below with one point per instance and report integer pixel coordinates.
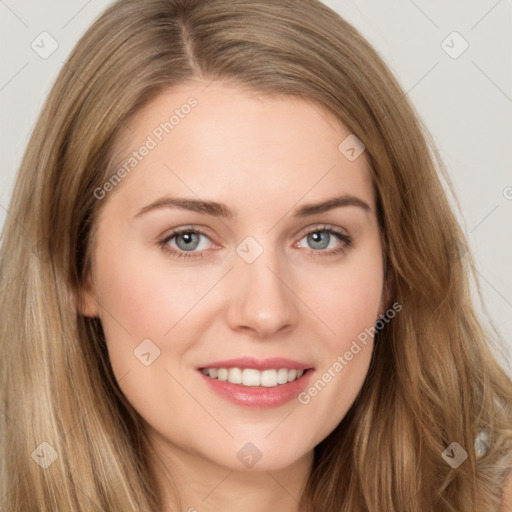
(345, 240)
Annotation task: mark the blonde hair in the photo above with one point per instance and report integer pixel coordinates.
(433, 379)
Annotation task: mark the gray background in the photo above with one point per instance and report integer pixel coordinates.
(466, 103)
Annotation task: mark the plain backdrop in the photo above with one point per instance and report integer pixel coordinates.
(453, 60)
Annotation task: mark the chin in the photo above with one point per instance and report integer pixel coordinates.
(258, 456)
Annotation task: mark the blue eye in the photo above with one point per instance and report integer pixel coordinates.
(188, 240)
(321, 239)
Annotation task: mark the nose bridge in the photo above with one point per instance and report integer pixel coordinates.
(261, 299)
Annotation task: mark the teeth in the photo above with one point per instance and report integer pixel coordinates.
(282, 376)
(235, 376)
(252, 377)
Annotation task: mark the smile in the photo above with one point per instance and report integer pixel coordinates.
(252, 377)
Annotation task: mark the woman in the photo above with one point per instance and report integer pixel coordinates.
(239, 283)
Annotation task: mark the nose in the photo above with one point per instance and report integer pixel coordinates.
(262, 300)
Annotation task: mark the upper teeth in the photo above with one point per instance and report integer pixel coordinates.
(252, 377)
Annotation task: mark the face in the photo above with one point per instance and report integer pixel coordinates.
(256, 274)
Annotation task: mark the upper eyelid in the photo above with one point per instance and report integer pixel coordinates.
(178, 231)
(303, 232)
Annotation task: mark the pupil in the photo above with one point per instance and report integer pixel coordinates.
(317, 239)
(187, 240)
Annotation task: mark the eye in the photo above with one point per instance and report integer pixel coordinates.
(186, 242)
(324, 237)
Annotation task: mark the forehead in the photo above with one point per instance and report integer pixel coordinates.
(216, 140)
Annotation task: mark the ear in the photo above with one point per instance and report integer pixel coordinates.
(84, 301)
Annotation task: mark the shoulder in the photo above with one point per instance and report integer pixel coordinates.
(506, 505)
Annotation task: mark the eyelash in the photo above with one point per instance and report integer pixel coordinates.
(346, 239)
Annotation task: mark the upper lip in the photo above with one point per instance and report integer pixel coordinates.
(258, 364)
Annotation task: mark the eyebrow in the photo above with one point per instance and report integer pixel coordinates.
(221, 210)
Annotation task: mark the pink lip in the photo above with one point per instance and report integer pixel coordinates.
(259, 364)
(260, 397)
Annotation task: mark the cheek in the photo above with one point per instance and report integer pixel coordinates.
(357, 303)
(348, 303)
(347, 299)
(147, 297)
(143, 300)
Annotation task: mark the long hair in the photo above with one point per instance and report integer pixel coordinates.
(433, 378)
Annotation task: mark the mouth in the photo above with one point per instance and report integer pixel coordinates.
(260, 387)
(251, 377)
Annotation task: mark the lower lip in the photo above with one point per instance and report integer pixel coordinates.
(259, 396)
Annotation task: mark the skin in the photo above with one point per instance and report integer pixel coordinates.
(263, 157)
